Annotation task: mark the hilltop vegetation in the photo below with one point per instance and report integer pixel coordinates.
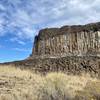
(17, 84)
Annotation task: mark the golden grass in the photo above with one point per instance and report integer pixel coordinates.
(10, 70)
(17, 84)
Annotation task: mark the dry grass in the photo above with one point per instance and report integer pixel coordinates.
(17, 84)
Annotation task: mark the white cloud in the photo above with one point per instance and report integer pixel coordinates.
(22, 49)
(2, 31)
(24, 18)
(2, 7)
(17, 40)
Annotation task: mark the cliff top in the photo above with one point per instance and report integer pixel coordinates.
(51, 32)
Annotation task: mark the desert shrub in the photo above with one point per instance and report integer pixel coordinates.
(59, 86)
(90, 92)
(17, 84)
(54, 88)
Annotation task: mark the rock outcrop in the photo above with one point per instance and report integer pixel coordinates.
(68, 41)
(72, 49)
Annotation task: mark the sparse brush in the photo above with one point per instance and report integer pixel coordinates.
(59, 86)
(17, 84)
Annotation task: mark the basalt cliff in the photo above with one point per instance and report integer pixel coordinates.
(68, 41)
(72, 49)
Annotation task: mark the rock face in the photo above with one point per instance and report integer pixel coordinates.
(68, 41)
(72, 49)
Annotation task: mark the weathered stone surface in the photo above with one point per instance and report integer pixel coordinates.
(52, 32)
(72, 49)
(68, 41)
(70, 64)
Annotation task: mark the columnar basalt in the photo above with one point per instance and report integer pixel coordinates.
(68, 41)
(73, 49)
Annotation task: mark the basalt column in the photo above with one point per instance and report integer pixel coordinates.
(68, 41)
(74, 49)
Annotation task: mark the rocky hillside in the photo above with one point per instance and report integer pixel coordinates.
(72, 49)
(74, 40)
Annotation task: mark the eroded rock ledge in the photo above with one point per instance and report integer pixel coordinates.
(77, 40)
(70, 65)
(73, 49)
(52, 32)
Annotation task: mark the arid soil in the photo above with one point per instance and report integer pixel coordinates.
(17, 84)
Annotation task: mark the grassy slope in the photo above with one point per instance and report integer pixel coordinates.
(16, 84)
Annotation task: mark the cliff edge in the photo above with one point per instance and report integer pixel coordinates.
(76, 40)
(71, 49)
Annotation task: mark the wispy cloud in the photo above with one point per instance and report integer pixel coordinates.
(24, 18)
(17, 40)
(20, 21)
(22, 50)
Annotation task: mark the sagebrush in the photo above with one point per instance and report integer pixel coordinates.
(17, 84)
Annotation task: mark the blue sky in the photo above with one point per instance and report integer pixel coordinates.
(20, 21)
